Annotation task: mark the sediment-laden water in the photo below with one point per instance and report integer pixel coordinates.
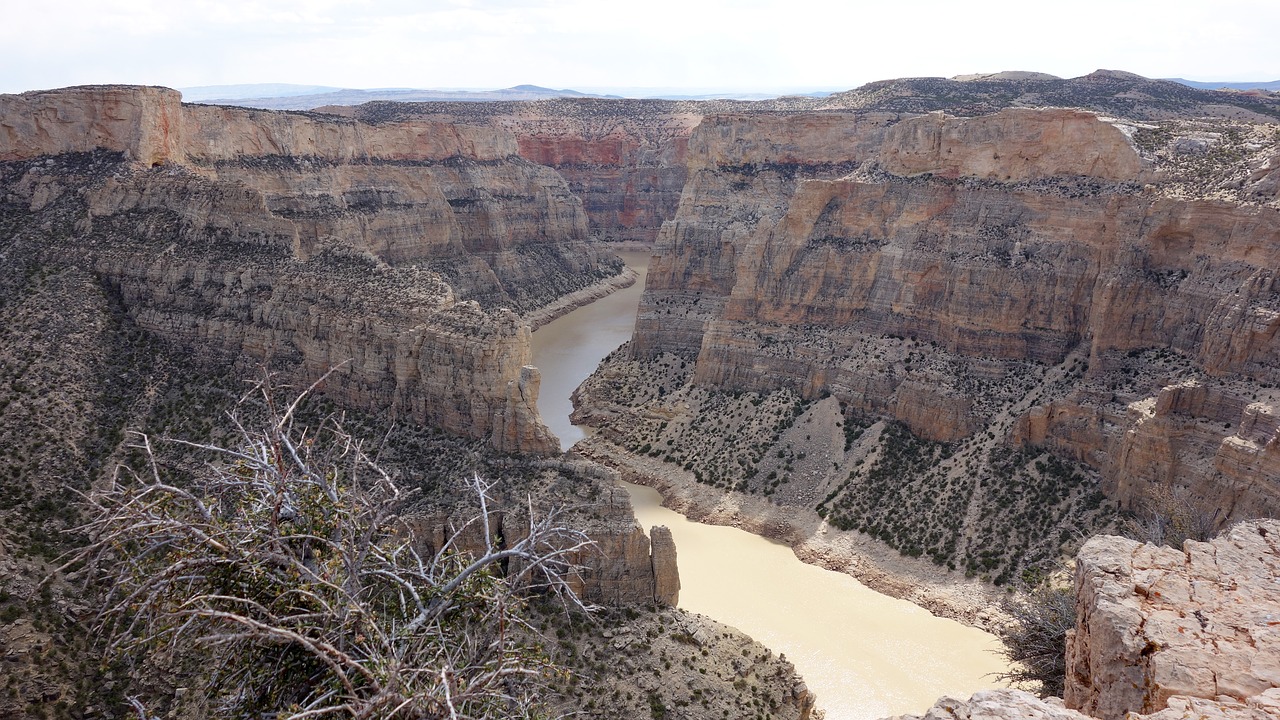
(568, 349)
(864, 654)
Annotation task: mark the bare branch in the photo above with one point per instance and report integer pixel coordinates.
(289, 552)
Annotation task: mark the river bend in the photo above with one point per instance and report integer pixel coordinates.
(864, 654)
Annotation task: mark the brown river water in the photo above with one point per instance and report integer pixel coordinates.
(864, 654)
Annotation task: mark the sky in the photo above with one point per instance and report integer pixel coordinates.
(730, 44)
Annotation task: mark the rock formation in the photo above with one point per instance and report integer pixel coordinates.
(1155, 622)
(666, 575)
(626, 159)
(997, 705)
(624, 568)
(316, 241)
(1163, 634)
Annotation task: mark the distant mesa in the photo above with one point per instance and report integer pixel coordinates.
(1006, 75)
(1114, 75)
(545, 91)
(283, 96)
(206, 93)
(1272, 85)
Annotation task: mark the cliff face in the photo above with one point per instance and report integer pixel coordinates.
(954, 274)
(457, 198)
(626, 159)
(313, 241)
(628, 168)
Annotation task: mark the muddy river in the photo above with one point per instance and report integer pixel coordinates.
(864, 654)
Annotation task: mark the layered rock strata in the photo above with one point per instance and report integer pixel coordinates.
(454, 197)
(626, 159)
(316, 241)
(1010, 247)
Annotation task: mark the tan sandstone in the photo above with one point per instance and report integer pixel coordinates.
(1155, 622)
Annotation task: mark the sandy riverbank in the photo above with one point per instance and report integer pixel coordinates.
(579, 298)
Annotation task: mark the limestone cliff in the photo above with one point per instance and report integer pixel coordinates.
(627, 159)
(454, 197)
(313, 241)
(1017, 237)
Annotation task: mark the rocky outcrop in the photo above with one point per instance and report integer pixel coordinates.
(1259, 707)
(144, 123)
(1176, 439)
(623, 567)
(397, 253)
(666, 575)
(997, 705)
(1017, 705)
(1163, 634)
(1013, 145)
(1155, 622)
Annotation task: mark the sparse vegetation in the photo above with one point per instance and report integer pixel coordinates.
(1035, 642)
(291, 552)
(1169, 517)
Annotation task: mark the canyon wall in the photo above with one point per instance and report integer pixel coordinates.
(627, 166)
(401, 253)
(1020, 273)
(456, 198)
(626, 159)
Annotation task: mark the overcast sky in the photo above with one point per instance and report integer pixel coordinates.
(738, 44)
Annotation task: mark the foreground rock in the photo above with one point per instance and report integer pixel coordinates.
(1155, 622)
(1019, 705)
(1164, 634)
(998, 705)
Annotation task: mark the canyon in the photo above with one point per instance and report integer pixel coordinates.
(933, 333)
(251, 205)
(844, 301)
(156, 254)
